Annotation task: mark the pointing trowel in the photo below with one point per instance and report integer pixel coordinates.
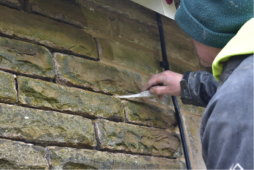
(142, 94)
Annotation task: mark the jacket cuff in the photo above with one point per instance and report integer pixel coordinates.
(185, 92)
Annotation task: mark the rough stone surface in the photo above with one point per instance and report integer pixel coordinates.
(26, 58)
(128, 56)
(45, 31)
(68, 158)
(149, 115)
(75, 14)
(8, 93)
(41, 94)
(19, 155)
(136, 139)
(192, 131)
(180, 48)
(136, 33)
(124, 8)
(65, 11)
(12, 3)
(95, 75)
(45, 126)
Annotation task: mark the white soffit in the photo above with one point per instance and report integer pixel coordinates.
(159, 6)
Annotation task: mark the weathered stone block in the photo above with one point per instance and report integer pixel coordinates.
(69, 158)
(45, 126)
(26, 58)
(136, 139)
(8, 93)
(192, 130)
(136, 33)
(149, 115)
(131, 57)
(66, 11)
(124, 8)
(45, 31)
(180, 48)
(19, 155)
(41, 94)
(70, 12)
(12, 3)
(95, 75)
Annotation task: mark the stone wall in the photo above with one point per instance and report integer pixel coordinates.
(62, 64)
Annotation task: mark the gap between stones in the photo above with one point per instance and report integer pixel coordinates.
(16, 87)
(96, 137)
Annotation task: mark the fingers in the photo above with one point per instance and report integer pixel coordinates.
(159, 90)
(154, 80)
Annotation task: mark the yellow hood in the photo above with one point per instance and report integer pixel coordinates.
(242, 43)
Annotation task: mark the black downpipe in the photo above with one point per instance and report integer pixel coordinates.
(165, 65)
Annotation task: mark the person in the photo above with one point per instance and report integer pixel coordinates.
(223, 34)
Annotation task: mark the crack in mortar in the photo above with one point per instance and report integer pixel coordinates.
(47, 157)
(97, 136)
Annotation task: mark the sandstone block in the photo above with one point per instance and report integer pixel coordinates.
(124, 8)
(75, 14)
(46, 127)
(69, 158)
(136, 139)
(180, 47)
(66, 11)
(128, 56)
(149, 115)
(26, 58)
(19, 155)
(48, 32)
(96, 76)
(8, 93)
(12, 3)
(192, 131)
(41, 94)
(136, 33)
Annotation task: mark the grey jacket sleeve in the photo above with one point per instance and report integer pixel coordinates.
(197, 88)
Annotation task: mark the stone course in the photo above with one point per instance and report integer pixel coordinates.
(47, 32)
(124, 8)
(136, 139)
(19, 155)
(74, 14)
(8, 93)
(96, 76)
(26, 58)
(45, 127)
(12, 3)
(149, 115)
(41, 94)
(69, 158)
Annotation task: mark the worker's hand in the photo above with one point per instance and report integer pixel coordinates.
(169, 84)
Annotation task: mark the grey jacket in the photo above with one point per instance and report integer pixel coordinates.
(227, 124)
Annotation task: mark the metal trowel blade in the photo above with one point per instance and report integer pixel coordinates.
(142, 94)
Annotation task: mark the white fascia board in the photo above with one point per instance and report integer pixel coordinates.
(159, 6)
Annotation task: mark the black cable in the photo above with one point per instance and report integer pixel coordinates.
(165, 65)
